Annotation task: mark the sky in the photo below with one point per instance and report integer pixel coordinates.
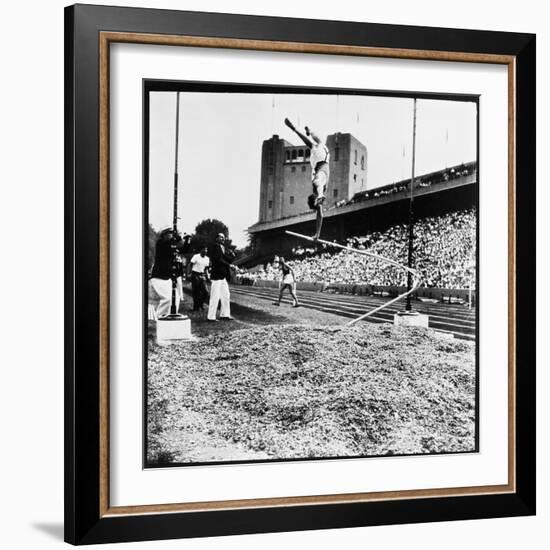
(221, 135)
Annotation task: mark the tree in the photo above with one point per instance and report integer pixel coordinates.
(206, 232)
(152, 239)
(248, 249)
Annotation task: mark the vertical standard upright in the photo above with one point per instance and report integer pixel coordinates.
(173, 308)
(411, 219)
(410, 317)
(175, 326)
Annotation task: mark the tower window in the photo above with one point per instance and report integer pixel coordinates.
(291, 199)
(335, 193)
(362, 162)
(293, 154)
(287, 155)
(355, 178)
(301, 153)
(355, 157)
(308, 153)
(304, 168)
(270, 204)
(293, 169)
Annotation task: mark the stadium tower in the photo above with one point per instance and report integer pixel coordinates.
(286, 175)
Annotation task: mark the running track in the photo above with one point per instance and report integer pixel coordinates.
(455, 319)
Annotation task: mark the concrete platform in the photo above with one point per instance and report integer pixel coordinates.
(172, 329)
(410, 319)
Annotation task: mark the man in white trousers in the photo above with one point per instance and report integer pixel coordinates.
(164, 267)
(220, 269)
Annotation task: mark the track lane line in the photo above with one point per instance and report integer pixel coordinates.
(459, 332)
(358, 308)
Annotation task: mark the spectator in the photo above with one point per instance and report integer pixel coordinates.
(220, 272)
(200, 264)
(165, 267)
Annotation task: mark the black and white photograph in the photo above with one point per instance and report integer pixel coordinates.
(310, 268)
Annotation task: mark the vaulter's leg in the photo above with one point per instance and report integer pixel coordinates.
(320, 182)
(318, 222)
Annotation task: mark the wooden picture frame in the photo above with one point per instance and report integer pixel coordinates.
(89, 33)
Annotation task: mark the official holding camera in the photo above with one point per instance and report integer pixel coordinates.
(166, 249)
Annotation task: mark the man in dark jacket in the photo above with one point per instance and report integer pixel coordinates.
(220, 272)
(164, 267)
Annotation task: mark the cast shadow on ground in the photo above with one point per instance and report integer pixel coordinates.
(54, 530)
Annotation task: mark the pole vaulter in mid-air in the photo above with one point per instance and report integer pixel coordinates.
(319, 159)
(320, 174)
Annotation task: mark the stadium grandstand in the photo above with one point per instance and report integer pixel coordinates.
(444, 251)
(376, 220)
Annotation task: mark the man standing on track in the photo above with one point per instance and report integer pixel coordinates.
(200, 264)
(288, 281)
(319, 159)
(220, 272)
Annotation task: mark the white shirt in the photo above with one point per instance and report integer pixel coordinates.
(319, 153)
(199, 263)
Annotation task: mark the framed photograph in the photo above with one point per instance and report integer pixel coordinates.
(300, 274)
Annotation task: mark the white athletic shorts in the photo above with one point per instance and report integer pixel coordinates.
(288, 279)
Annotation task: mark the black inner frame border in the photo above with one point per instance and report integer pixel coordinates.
(193, 86)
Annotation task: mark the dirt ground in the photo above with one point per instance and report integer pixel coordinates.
(251, 311)
(284, 383)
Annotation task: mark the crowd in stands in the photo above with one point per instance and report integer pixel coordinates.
(446, 175)
(401, 186)
(379, 192)
(444, 253)
(424, 181)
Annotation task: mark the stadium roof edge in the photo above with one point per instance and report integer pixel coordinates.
(366, 204)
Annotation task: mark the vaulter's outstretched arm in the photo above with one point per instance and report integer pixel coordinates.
(304, 138)
(313, 136)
